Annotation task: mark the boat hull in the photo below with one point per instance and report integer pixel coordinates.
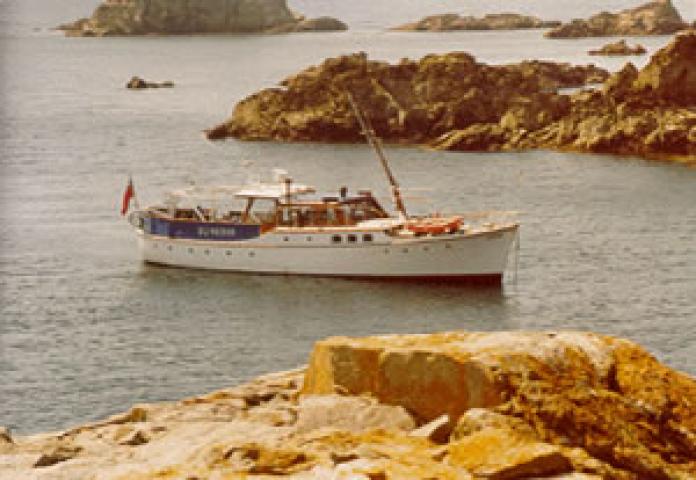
(479, 256)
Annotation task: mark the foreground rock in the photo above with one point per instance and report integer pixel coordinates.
(619, 48)
(494, 21)
(137, 83)
(659, 17)
(456, 405)
(170, 17)
(452, 102)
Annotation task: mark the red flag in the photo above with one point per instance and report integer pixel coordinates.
(127, 196)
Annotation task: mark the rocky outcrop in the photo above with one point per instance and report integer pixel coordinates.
(137, 83)
(171, 17)
(412, 102)
(648, 112)
(659, 17)
(494, 21)
(452, 102)
(457, 405)
(619, 48)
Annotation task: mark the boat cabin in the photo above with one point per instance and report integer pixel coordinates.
(229, 213)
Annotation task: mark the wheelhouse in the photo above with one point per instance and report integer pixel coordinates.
(229, 213)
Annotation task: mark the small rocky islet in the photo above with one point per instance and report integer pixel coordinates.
(456, 405)
(453, 102)
(181, 17)
(494, 21)
(658, 17)
(619, 48)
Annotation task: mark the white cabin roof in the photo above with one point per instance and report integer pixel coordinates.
(273, 190)
(207, 194)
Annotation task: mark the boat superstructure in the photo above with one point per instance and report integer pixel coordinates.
(283, 227)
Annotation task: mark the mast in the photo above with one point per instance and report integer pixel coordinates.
(376, 144)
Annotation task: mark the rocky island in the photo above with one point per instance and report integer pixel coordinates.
(172, 17)
(659, 17)
(494, 21)
(619, 48)
(457, 405)
(452, 102)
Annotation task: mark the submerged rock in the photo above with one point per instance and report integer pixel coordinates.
(454, 405)
(171, 17)
(453, 102)
(658, 17)
(493, 21)
(619, 48)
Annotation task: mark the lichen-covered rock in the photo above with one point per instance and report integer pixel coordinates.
(561, 405)
(658, 17)
(352, 414)
(500, 455)
(619, 48)
(170, 17)
(493, 21)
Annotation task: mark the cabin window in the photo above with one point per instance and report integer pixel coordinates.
(228, 252)
(286, 239)
(190, 250)
(309, 239)
(336, 239)
(352, 238)
(367, 237)
(405, 250)
(207, 252)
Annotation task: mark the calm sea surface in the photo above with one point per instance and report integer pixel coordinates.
(608, 244)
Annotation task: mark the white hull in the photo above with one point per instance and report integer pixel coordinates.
(474, 254)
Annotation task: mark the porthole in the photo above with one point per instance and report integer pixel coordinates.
(286, 239)
(336, 239)
(228, 252)
(190, 250)
(170, 248)
(251, 254)
(447, 245)
(386, 250)
(309, 239)
(207, 252)
(426, 249)
(368, 237)
(352, 238)
(154, 245)
(405, 250)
